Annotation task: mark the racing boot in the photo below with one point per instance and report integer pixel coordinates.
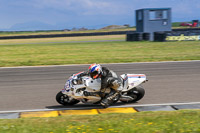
(104, 102)
(109, 99)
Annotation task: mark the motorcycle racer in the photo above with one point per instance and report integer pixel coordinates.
(108, 79)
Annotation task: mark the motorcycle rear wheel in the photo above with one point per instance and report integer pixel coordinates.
(65, 100)
(136, 93)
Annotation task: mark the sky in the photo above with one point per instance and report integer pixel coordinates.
(92, 14)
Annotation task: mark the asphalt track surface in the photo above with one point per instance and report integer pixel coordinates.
(27, 88)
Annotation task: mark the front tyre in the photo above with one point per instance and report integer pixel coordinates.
(136, 93)
(65, 100)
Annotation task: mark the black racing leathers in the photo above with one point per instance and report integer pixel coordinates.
(107, 78)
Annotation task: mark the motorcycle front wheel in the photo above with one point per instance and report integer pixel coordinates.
(65, 100)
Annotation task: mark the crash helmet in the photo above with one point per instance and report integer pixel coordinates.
(95, 70)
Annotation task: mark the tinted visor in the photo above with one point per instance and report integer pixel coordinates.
(94, 75)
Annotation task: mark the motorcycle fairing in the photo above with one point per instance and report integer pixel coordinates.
(132, 80)
(93, 85)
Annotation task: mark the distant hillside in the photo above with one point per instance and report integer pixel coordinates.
(115, 27)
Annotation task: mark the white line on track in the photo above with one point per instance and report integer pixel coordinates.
(102, 63)
(78, 108)
(162, 104)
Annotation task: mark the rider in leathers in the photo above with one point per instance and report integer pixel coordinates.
(108, 79)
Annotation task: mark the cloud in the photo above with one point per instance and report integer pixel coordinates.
(83, 7)
(52, 3)
(90, 12)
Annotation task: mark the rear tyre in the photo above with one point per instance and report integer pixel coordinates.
(136, 93)
(65, 100)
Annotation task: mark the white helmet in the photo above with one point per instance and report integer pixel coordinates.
(95, 70)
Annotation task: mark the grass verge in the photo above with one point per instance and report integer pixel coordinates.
(182, 121)
(62, 39)
(99, 52)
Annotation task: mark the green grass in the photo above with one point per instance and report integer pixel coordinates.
(99, 52)
(184, 121)
(62, 39)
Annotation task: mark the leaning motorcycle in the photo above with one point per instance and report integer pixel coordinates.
(77, 89)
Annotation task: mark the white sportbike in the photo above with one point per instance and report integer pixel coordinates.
(76, 89)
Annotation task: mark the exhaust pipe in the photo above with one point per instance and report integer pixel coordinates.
(126, 98)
